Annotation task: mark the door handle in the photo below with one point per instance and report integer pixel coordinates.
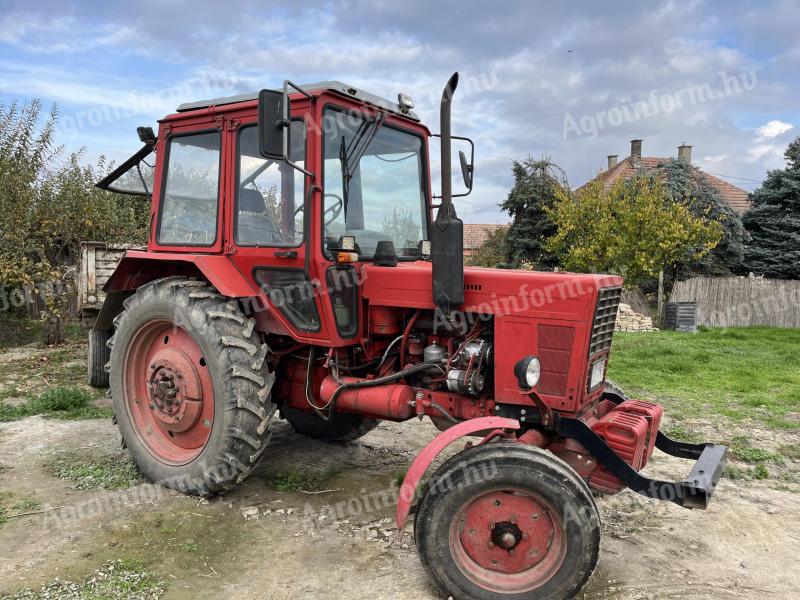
(286, 254)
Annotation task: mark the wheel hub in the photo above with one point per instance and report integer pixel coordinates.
(506, 532)
(164, 392)
(175, 390)
(506, 535)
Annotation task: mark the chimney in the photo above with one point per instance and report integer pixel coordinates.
(685, 153)
(612, 161)
(636, 151)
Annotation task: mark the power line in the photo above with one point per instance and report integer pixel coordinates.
(733, 177)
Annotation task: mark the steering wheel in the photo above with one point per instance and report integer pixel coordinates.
(335, 209)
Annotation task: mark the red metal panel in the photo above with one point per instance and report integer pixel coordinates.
(555, 351)
(140, 267)
(432, 450)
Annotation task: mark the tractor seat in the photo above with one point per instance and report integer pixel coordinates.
(255, 226)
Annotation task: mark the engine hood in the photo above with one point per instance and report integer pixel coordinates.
(564, 296)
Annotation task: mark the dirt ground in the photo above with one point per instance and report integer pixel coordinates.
(339, 542)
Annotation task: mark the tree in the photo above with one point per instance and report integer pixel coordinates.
(493, 251)
(49, 204)
(689, 186)
(773, 222)
(632, 229)
(536, 184)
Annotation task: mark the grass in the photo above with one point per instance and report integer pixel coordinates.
(790, 451)
(740, 449)
(736, 472)
(26, 504)
(741, 373)
(107, 472)
(58, 402)
(300, 481)
(12, 505)
(127, 579)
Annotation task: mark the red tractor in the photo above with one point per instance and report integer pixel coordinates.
(299, 262)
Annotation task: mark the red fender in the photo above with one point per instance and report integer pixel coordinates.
(432, 450)
(137, 268)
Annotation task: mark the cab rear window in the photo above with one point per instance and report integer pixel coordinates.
(190, 200)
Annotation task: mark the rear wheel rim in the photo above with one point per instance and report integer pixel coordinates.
(508, 541)
(168, 392)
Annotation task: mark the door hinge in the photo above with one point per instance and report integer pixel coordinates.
(229, 248)
(219, 121)
(234, 125)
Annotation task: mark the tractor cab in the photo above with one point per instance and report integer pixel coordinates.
(293, 185)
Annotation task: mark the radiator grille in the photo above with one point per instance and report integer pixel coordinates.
(605, 317)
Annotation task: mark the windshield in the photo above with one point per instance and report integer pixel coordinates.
(385, 198)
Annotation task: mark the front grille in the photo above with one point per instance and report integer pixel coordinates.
(605, 318)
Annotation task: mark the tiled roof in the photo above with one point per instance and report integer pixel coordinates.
(735, 197)
(476, 234)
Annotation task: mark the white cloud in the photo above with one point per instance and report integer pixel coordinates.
(773, 129)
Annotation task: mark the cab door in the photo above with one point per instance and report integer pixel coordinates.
(268, 228)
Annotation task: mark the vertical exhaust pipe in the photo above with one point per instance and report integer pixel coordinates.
(447, 232)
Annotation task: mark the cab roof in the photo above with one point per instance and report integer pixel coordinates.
(324, 86)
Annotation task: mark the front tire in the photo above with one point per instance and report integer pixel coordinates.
(190, 386)
(506, 520)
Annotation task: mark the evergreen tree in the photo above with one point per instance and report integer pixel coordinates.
(536, 183)
(687, 184)
(773, 222)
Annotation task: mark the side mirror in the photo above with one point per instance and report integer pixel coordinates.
(273, 130)
(466, 169)
(274, 123)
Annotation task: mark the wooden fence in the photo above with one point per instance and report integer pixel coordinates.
(741, 302)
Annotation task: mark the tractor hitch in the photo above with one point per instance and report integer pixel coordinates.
(693, 492)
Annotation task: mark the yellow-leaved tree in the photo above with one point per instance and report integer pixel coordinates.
(630, 228)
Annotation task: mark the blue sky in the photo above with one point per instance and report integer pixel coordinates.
(573, 81)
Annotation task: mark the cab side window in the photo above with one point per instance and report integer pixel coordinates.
(190, 202)
(269, 198)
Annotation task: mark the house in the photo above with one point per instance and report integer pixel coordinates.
(476, 234)
(735, 197)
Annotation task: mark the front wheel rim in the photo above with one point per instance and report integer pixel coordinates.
(168, 392)
(508, 541)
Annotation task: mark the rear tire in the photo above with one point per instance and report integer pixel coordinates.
(343, 427)
(510, 521)
(98, 356)
(190, 386)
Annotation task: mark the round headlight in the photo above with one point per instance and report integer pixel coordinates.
(533, 372)
(528, 370)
